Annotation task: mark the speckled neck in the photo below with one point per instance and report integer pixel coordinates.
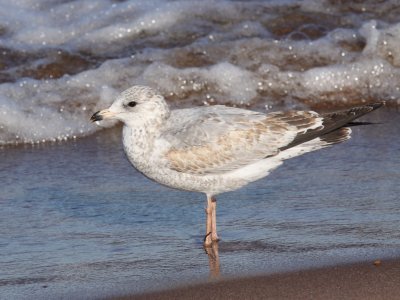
(138, 144)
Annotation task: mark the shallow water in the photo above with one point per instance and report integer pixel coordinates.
(77, 220)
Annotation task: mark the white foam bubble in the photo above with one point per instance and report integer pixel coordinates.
(223, 81)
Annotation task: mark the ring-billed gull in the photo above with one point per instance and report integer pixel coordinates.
(216, 149)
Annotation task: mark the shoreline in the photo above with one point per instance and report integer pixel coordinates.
(377, 279)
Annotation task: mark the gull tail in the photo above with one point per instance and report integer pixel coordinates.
(337, 136)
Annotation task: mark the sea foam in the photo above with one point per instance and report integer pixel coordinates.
(62, 61)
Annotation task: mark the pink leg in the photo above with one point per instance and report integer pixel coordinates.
(213, 260)
(214, 235)
(207, 239)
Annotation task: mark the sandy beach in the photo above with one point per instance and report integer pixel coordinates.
(369, 280)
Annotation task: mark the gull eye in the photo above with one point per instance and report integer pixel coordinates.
(132, 104)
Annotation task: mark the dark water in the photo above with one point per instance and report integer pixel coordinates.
(76, 220)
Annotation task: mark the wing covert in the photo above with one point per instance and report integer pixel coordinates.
(223, 139)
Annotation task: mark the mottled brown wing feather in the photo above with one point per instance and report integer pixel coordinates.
(240, 145)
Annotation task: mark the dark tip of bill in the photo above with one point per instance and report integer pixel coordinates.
(96, 117)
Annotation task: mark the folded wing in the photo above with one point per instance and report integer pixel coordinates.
(220, 139)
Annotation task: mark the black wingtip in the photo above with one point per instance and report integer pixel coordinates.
(376, 105)
(359, 111)
(358, 123)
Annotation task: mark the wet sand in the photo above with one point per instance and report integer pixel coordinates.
(368, 280)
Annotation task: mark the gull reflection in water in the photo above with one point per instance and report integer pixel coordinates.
(213, 260)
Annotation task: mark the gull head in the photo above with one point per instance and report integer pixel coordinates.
(136, 104)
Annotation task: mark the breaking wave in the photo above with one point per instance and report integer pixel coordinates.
(63, 60)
